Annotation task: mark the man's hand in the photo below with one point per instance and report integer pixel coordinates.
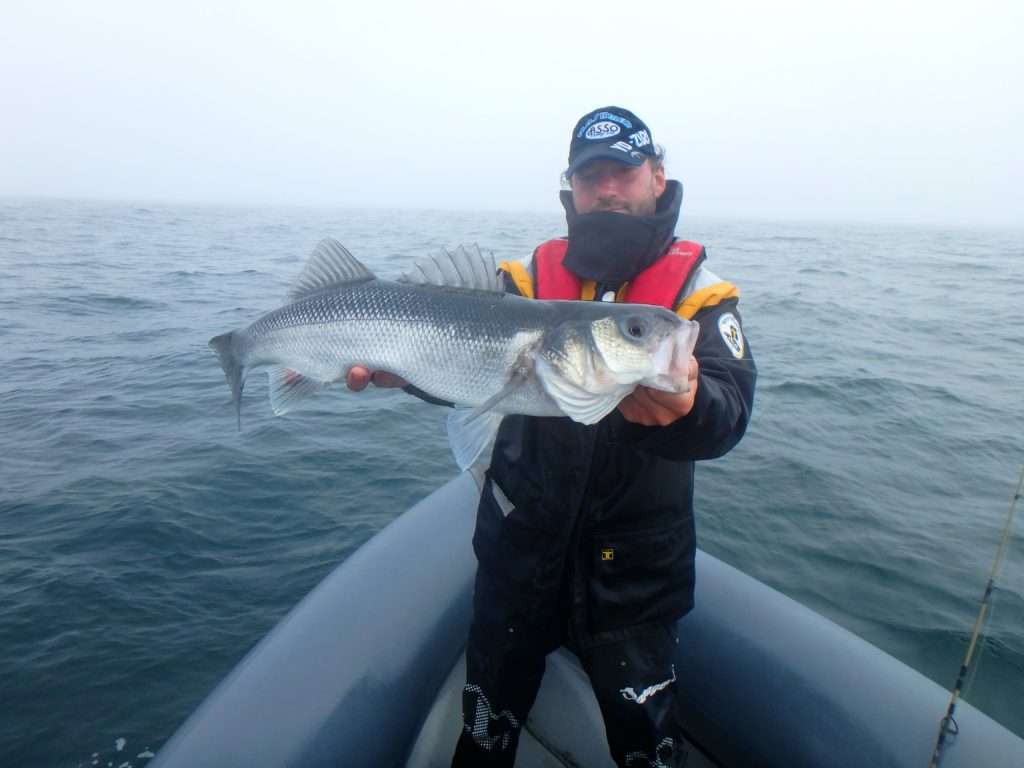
(358, 377)
(655, 408)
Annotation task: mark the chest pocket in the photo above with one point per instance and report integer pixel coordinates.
(639, 576)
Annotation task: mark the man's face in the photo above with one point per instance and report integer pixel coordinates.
(607, 185)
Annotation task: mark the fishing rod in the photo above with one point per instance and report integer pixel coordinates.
(948, 725)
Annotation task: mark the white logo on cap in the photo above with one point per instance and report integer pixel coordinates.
(622, 147)
(602, 130)
(640, 139)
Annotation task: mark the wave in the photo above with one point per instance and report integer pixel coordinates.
(881, 434)
(102, 304)
(793, 239)
(835, 389)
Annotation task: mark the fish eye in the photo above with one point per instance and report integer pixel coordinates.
(635, 327)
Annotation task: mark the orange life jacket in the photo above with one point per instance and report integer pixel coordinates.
(660, 284)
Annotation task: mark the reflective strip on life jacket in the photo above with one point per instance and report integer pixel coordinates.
(706, 297)
(520, 277)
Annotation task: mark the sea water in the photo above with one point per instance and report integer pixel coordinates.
(146, 545)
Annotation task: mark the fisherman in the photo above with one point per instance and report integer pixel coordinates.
(585, 535)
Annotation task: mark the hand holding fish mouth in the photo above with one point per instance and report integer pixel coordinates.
(655, 408)
(359, 377)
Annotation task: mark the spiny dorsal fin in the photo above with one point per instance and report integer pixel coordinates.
(330, 264)
(465, 267)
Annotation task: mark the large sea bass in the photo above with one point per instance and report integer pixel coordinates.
(450, 330)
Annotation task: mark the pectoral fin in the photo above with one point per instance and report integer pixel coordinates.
(516, 380)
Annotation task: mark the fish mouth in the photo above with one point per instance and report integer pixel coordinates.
(672, 360)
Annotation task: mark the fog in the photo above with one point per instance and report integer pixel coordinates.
(887, 111)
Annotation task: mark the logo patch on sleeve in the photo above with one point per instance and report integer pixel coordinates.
(729, 327)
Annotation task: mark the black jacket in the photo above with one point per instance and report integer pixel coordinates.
(595, 523)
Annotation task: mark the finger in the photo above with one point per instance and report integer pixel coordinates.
(631, 411)
(357, 378)
(657, 408)
(671, 401)
(639, 409)
(677, 405)
(661, 408)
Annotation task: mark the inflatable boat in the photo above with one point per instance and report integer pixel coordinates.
(367, 672)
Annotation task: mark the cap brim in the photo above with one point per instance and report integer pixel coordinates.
(604, 152)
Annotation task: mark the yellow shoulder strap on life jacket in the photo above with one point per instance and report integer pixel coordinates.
(520, 276)
(707, 297)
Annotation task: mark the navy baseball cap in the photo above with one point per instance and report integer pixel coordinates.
(609, 133)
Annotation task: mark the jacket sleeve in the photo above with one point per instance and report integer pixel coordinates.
(725, 395)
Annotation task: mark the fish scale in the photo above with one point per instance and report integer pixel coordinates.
(421, 333)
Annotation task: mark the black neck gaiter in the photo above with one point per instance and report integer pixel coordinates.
(612, 248)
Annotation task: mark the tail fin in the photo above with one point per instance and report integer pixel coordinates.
(234, 371)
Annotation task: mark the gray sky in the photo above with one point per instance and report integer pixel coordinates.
(804, 110)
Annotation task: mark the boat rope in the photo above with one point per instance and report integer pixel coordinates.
(948, 726)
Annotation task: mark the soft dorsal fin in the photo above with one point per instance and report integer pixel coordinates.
(330, 264)
(465, 267)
